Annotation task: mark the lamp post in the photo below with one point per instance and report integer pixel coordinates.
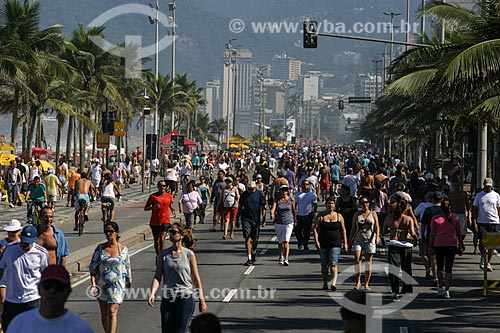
(260, 79)
(172, 7)
(145, 111)
(156, 22)
(234, 59)
(228, 63)
(285, 93)
(392, 15)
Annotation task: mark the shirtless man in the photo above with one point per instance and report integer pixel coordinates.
(52, 238)
(460, 206)
(84, 189)
(324, 181)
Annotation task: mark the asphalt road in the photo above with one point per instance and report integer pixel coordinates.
(272, 298)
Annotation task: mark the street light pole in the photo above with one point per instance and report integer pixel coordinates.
(392, 15)
(155, 117)
(234, 59)
(172, 7)
(260, 79)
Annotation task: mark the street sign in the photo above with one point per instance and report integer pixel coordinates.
(103, 140)
(360, 99)
(119, 128)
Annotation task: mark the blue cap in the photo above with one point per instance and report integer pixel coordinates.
(29, 234)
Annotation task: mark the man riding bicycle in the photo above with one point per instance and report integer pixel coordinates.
(83, 190)
(108, 196)
(36, 195)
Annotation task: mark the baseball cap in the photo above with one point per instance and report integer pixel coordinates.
(29, 234)
(284, 187)
(50, 170)
(429, 176)
(252, 184)
(437, 195)
(56, 272)
(258, 176)
(13, 225)
(488, 182)
(96, 160)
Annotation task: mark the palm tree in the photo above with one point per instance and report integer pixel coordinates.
(218, 126)
(201, 130)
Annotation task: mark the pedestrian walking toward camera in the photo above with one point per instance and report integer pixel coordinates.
(21, 268)
(445, 237)
(188, 203)
(52, 238)
(330, 237)
(205, 192)
(285, 219)
(229, 203)
(110, 274)
(306, 204)
(161, 205)
(178, 268)
(51, 317)
(485, 217)
(364, 239)
(400, 226)
(252, 206)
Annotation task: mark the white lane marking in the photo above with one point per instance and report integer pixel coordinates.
(263, 251)
(249, 270)
(227, 299)
(275, 238)
(85, 279)
(403, 329)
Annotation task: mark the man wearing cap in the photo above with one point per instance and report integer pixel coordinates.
(21, 288)
(13, 229)
(54, 289)
(52, 184)
(485, 216)
(52, 238)
(251, 207)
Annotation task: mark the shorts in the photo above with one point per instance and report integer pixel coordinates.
(196, 167)
(329, 257)
(324, 184)
(81, 196)
(462, 219)
(365, 247)
(96, 182)
(487, 227)
(283, 232)
(51, 198)
(204, 202)
(157, 229)
(229, 213)
(110, 200)
(335, 181)
(62, 179)
(250, 229)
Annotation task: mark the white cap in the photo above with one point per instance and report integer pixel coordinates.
(50, 170)
(429, 176)
(13, 225)
(96, 160)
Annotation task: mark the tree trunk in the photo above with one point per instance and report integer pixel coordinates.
(60, 123)
(69, 136)
(82, 144)
(31, 129)
(15, 122)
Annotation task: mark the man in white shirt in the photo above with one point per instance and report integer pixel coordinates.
(21, 288)
(306, 204)
(352, 181)
(155, 165)
(96, 175)
(485, 216)
(54, 290)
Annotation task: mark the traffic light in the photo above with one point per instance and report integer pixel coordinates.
(151, 146)
(310, 34)
(341, 105)
(108, 120)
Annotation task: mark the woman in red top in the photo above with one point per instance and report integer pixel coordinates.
(445, 236)
(160, 204)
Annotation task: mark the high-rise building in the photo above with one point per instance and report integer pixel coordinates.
(285, 68)
(213, 107)
(367, 85)
(311, 86)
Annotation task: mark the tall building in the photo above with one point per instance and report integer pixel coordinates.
(213, 96)
(285, 68)
(367, 85)
(237, 88)
(311, 86)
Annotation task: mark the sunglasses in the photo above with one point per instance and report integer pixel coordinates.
(109, 231)
(162, 185)
(174, 232)
(49, 284)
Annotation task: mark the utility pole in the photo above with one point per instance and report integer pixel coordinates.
(155, 116)
(285, 93)
(392, 15)
(172, 7)
(260, 79)
(234, 60)
(407, 23)
(439, 134)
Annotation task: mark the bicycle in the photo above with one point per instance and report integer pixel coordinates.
(106, 211)
(37, 208)
(82, 208)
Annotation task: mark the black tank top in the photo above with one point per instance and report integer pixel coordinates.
(330, 235)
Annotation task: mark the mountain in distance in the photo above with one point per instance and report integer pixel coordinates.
(203, 29)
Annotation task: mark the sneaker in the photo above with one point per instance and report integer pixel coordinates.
(435, 283)
(249, 262)
(300, 246)
(489, 268)
(481, 266)
(282, 261)
(286, 263)
(441, 292)
(333, 288)
(11, 205)
(395, 296)
(75, 229)
(428, 275)
(446, 294)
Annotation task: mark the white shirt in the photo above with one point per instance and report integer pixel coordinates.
(488, 204)
(155, 164)
(96, 171)
(352, 182)
(22, 272)
(32, 321)
(305, 202)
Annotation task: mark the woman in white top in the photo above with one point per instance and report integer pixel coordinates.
(189, 202)
(108, 195)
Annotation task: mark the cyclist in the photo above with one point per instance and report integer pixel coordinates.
(37, 195)
(108, 195)
(84, 189)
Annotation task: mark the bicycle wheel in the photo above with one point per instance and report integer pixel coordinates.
(81, 221)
